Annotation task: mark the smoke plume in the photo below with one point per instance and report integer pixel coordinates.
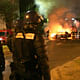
(46, 6)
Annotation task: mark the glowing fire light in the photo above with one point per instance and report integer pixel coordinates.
(60, 22)
(58, 29)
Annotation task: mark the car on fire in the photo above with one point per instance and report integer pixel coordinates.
(61, 35)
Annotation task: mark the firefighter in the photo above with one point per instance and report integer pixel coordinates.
(30, 61)
(2, 62)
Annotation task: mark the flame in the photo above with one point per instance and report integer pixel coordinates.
(60, 21)
(58, 29)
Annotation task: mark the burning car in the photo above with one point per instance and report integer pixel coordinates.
(60, 35)
(63, 35)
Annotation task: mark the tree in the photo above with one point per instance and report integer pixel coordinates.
(9, 12)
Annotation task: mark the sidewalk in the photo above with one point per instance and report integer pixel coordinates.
(68, 71)
(8, 60)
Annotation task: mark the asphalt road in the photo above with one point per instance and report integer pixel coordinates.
(62, 51)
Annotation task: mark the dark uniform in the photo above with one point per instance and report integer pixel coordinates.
(29, 58)
(2, 61)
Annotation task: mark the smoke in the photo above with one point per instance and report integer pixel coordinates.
(46, 6)
(59, 13)
(60, 17)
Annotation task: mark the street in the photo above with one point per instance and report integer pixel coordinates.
(64, 58)
(62, 51)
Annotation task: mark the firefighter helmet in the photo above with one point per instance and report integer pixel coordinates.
(32, 17)
(33, 21)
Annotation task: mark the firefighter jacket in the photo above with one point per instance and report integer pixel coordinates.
(33, 43)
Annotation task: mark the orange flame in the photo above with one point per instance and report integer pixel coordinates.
(58, 29)
(57, 23)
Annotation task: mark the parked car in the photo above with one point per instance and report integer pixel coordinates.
(4, 34)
